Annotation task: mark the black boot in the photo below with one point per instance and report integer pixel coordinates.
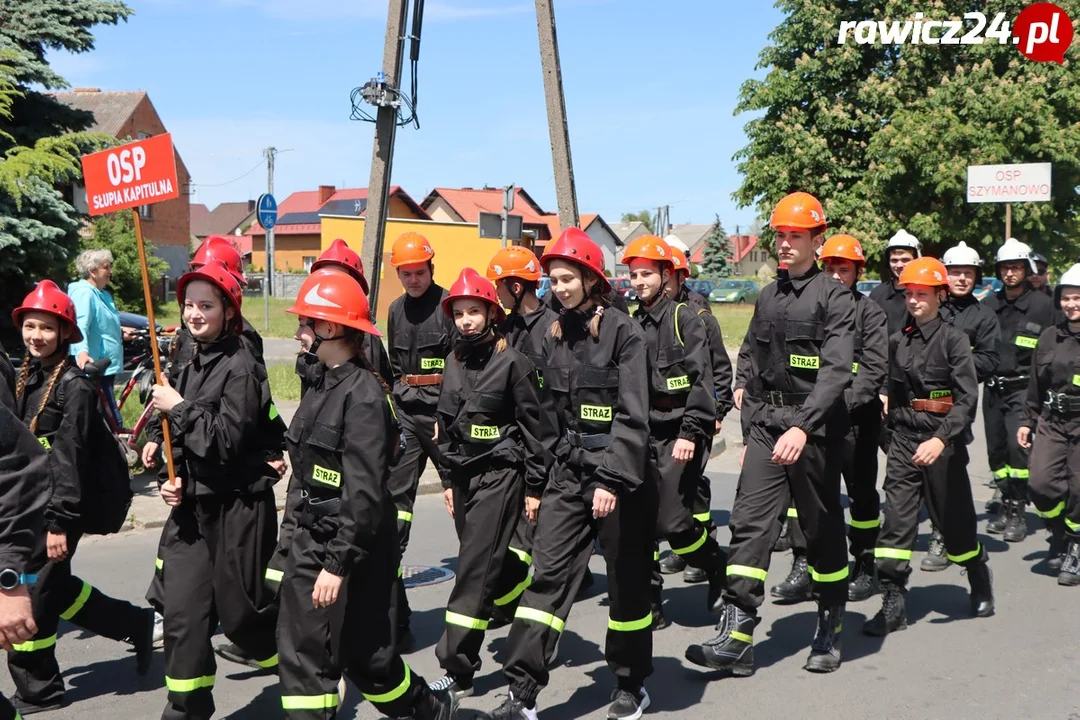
(1070, 567)
(796, 588)
(935, 559)
(981, 581)
(439, 705)
(993, 505)
(1016, 529)
(892, 616)
(826, 651)
(659, 620)
(716, 572)
(864, 584)
(672, 564)
(733, 647)
(1055, 556)
(999, 524)
(783, 543)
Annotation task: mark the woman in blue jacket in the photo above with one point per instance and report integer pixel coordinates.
(98, 320)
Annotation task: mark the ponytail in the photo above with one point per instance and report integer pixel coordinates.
(355, 339)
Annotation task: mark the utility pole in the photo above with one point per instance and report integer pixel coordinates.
(383, 153)
(565, 192)
(268, 285)
(508, 205)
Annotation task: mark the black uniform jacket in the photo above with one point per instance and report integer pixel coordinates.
(932, 362)
(420, 336)
(7, 383)
(681, 392)
(891, 299)
(24, 491)
(721, 363)
(526, 333)
(599, 388)
(310, 369)
(980, 323)
(227, 422)
(1057, 371)
(64, 429)
(801, 344)
(490, 414)
(341, 442)
(871, 366)
(1022, 321)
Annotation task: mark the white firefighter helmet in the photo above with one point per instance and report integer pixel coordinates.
(1071, 277)
(674, 241)
(961, 255)
(904, 239)
(1014, 250)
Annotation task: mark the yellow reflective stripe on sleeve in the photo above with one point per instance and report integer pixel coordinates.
(393, 412)
(1019, 473)
(865, 524)
(515, 593)
(805, 362)
(541, 617)
(404, 516)
(1071, 525)
(522, 555)
(273, 411)
(1002, 473)
(184, 686)
(854, 368)
(828, 577)
(33, 645)
(396, 692)
(691, 548)
(309, 702)
(892, 553)
(400, 570)
(965, 556)
(630, 625)
(76, 606)
(1076, 380)
(747, 571)
(703, 517)
(741, 637)
(678, 334)
(268, 663)
(274, 575)
(45, 443)
(1057, 510)
(471, 623)
(1029, 343)
(159, 563)
(655, 555)
(792, 512)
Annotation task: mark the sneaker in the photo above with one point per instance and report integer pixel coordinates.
(159, 629)
(25, 707)
(513, 709)
(626, 705)
(460, 688)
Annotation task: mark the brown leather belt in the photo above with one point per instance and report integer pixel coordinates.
(938, 407)
(422, 380)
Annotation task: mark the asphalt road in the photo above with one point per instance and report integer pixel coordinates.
(1020, 663)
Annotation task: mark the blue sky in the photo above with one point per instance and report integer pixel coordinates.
(650, 92)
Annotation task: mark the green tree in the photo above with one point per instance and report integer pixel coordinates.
(115, 232)
(883, 134)
(717, 260)
(642, 216)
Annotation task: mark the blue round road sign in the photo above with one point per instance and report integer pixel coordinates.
(267, 210)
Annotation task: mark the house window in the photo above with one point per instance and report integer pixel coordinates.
(309, 260)
(144, 212)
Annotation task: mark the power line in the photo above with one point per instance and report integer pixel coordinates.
(256, 167)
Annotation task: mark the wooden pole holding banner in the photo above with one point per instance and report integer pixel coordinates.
(151, 326)
(1008, 220)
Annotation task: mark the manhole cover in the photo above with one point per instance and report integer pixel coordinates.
(420, 575)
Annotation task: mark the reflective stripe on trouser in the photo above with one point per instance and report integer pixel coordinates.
(1002, 417)
(678, 486)
(516, 576)
(561, 550)
(860, 469)
(59, 594)
(947, 491)
(703, 499)
(487, 509)
(216, 550)
(764, 488)
(355, 635)
(1055, 470)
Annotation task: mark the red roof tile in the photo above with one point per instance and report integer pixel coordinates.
(741, 245)
(307, 201)
(470, 203)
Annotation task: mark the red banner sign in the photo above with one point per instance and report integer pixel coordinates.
(139, 173)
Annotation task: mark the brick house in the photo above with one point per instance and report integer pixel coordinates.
(231, 218)
(130, 116)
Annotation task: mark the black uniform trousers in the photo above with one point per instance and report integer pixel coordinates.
(7, 710)
(214, 554)
(487, 510)
(515, 576)
(946, 489)
(1003, 414)
(1055, 470)
(702, 507)
(679, 487)
(561, 550)
(814, 484)
(355, 635)
(418, 427)
(57, 595)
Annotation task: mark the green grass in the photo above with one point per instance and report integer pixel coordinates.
(282, 325)
(734, 321)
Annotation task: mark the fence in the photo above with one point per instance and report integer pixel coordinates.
(286, 285)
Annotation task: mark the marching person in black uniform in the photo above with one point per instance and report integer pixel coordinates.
(601, 485)
(1052, 425)
(1022, 314)
(1040, 280)
(495, 443)
(420, 337)
(682, 414)
(223, 526)
(902, 248)
(800, 347)
(342, 561)
(842, 257)
(59, 404)
(516, 271)
(24, 494)
(933, 395)
(721, 370)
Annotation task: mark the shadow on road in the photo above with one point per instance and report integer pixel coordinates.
(950, 600)
(112, 677)
(266, 704)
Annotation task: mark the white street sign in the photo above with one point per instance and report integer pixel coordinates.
(1028, 182)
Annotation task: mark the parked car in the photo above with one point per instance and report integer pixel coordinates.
(701, 286)
(735, 291)
(988, 286)
(865, 286)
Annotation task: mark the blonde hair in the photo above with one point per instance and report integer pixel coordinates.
(20, 387)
